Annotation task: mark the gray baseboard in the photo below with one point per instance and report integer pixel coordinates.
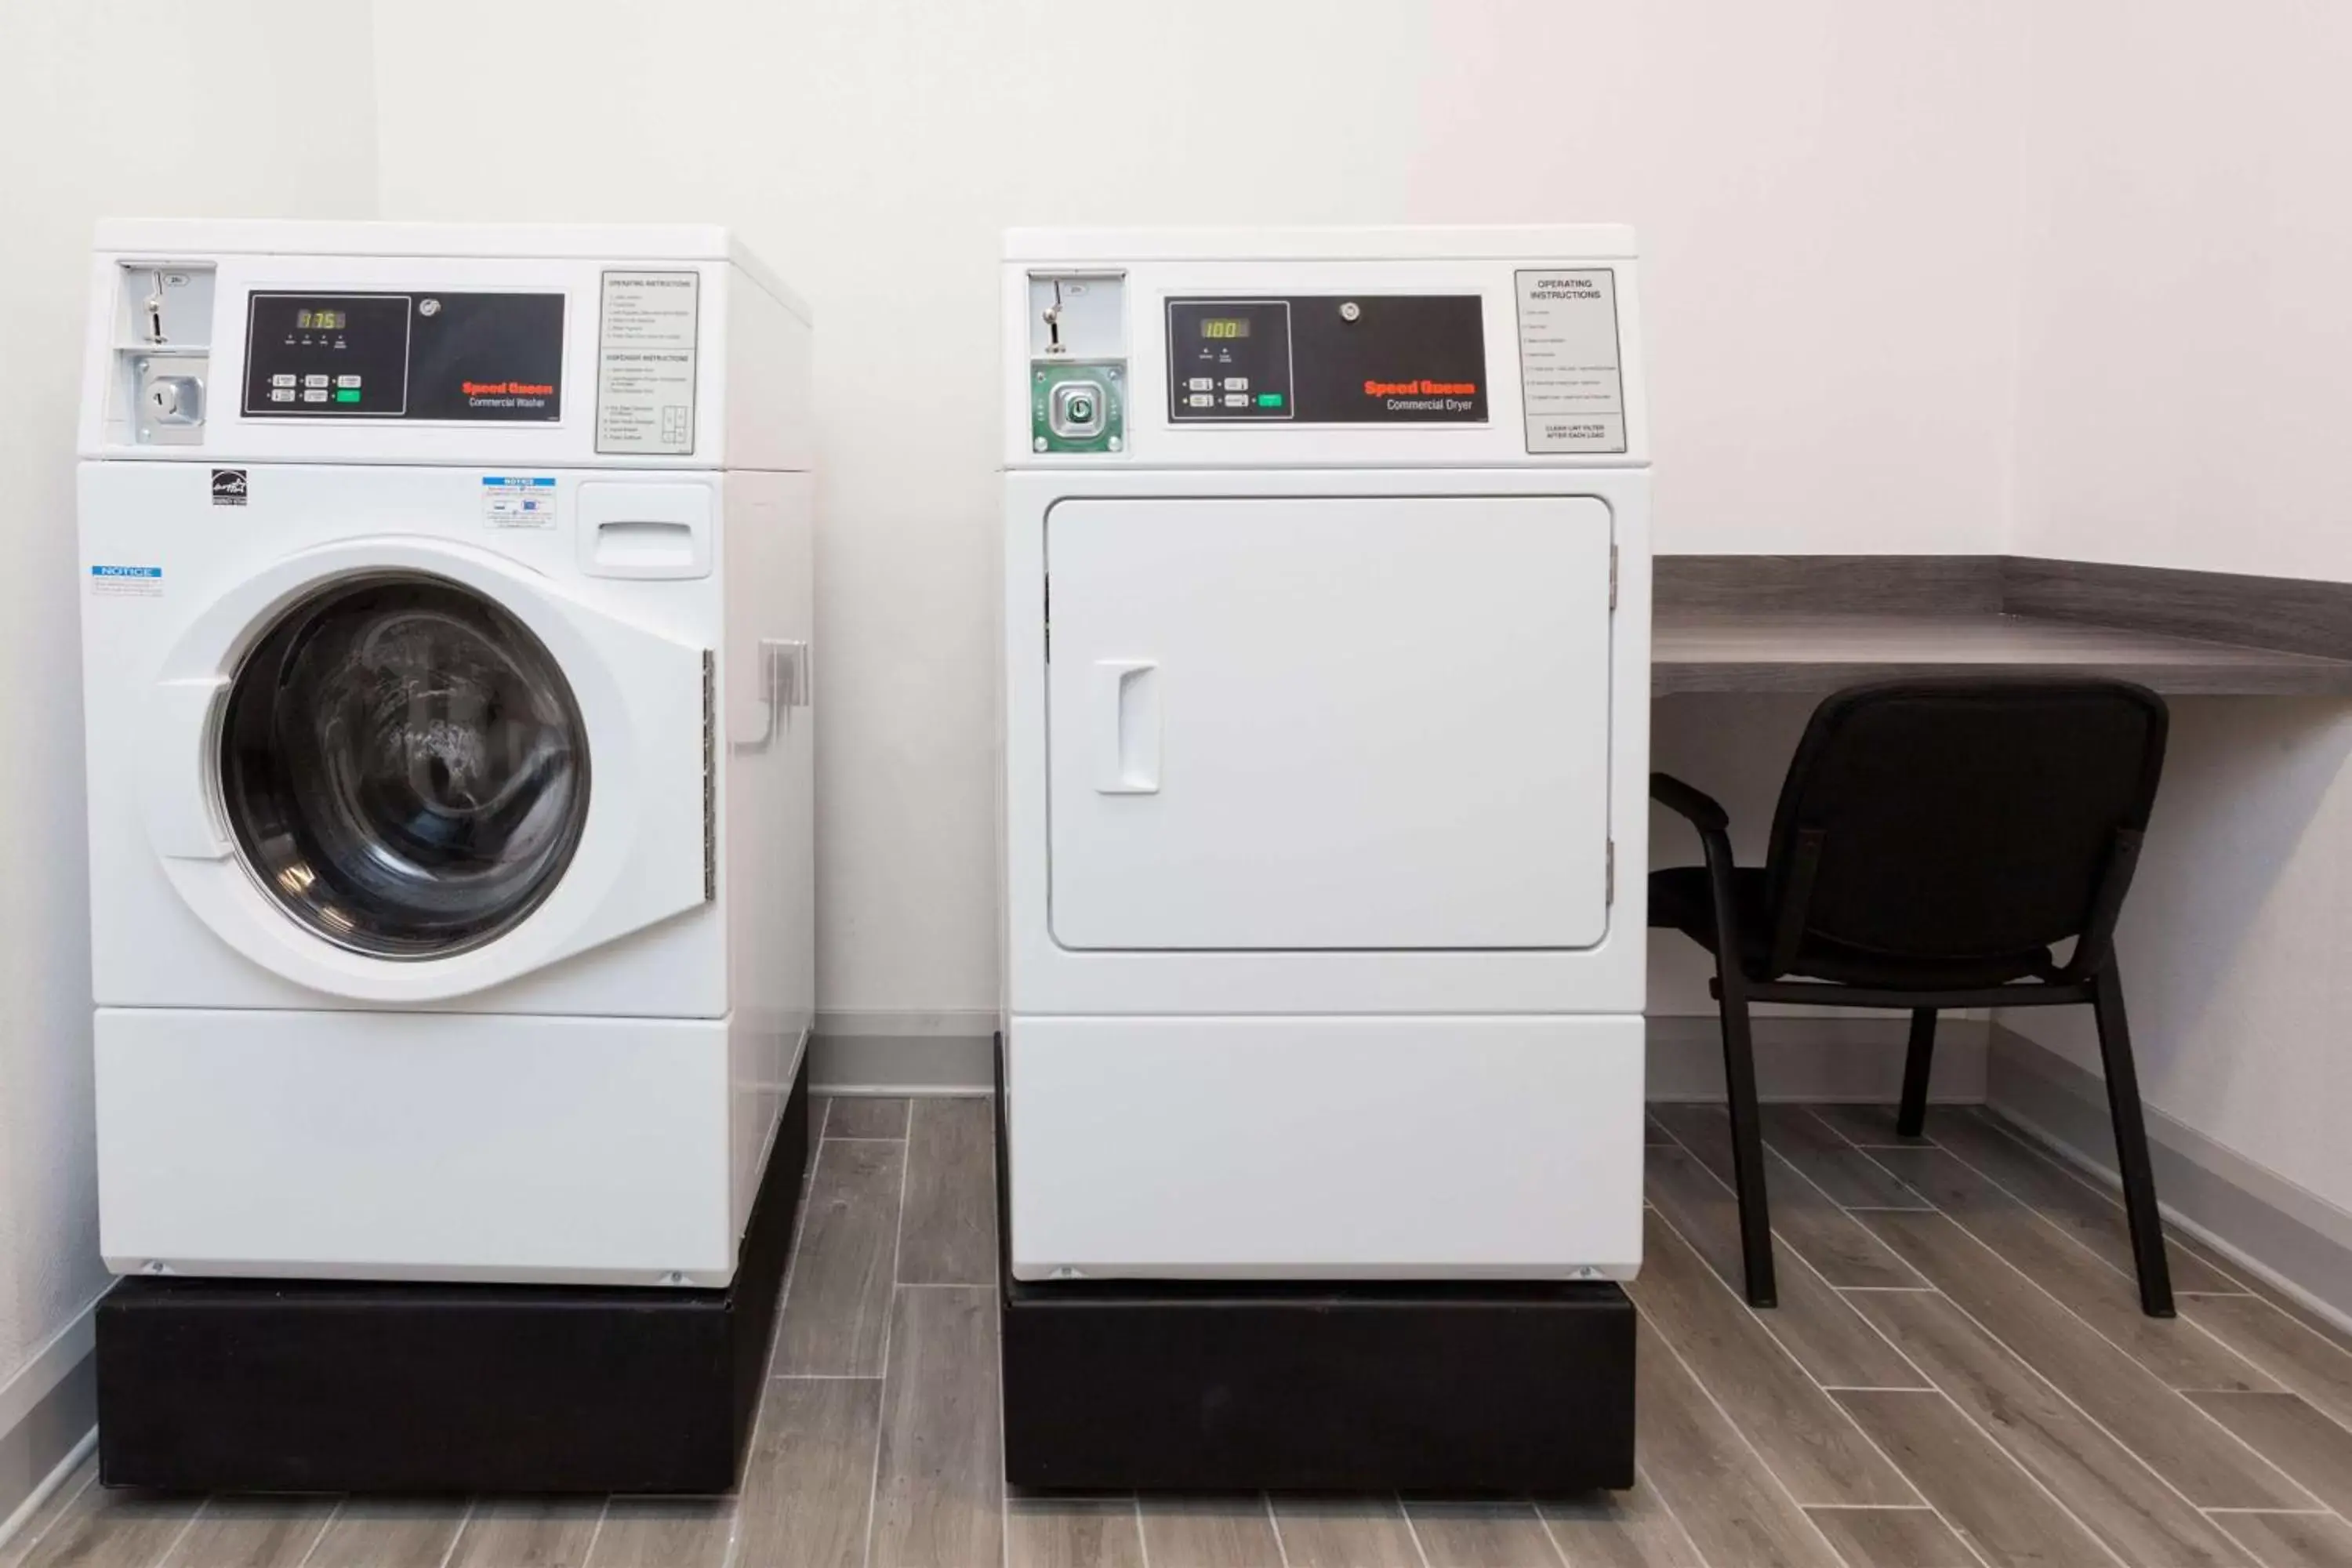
(51, 1438)
(2292, 1237)
(1852, 1058)
(902, 1064)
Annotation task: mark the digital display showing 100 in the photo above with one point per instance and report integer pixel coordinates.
(1224, 327)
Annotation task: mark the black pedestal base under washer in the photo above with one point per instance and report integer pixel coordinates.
(330, 1386)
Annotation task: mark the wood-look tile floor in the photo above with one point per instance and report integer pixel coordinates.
(1957, 1373)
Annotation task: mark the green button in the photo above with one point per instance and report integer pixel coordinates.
(1269, 400)
(348, 394)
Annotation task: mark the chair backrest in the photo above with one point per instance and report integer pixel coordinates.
(1963, 818)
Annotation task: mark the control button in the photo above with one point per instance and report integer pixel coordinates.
(281, 380)
(1204, 383)
(1237, 400)
(1269, 400)
(314, 381)
(282, 394)
(347, 394)
(1202, 400)
(1236, 383)
(347, 381)
(314, 395)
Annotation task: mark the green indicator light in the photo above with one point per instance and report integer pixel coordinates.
(348, 394)
(1269, 400)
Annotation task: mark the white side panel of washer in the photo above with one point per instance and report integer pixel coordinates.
(413, 1146)
(767, 877)
(1325, 1148)
(1361, 722)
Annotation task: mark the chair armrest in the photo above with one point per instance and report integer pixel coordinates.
(1713, 824)
(1684, 801)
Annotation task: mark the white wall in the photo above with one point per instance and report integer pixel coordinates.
(264, 108)
(1826, 191)
(2186, 367)
(2186, 395)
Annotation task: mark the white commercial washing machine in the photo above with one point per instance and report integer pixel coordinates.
(446, 618)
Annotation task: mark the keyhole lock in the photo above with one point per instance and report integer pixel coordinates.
(1075, 412)
(174, 400)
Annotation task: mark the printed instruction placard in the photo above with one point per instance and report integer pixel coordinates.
(1570, 384)
(645, 362)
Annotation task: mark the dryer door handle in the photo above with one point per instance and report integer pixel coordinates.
(1127, 710)
(183, 820)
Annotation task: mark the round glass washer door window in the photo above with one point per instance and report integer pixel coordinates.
(403, 766)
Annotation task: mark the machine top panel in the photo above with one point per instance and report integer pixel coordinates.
(1324, 348)
(176, 238)
(529, 347)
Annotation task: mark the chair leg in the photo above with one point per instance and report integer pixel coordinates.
(2131, 1146)
(1912, 1116)
(1746, 1144)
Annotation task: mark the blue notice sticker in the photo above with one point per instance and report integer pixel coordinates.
(143, 581)
(519, 500)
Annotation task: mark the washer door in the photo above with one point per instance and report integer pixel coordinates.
(400, 770)
(403, 766)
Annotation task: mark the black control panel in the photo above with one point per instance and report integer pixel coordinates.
(404, 356)
(1229, 359)
(1328, 359)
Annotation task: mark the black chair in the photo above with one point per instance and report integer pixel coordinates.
(1934, 840)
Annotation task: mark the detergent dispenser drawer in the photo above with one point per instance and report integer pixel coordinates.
(1329, 722)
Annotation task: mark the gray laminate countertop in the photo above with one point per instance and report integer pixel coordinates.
(1718, 650)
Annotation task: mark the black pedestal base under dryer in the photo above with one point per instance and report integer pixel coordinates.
(298, 1385)
(1239, 1385)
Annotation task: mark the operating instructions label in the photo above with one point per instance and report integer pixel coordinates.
(1570, 384)
(645, 362)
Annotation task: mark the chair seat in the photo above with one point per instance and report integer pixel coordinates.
(1680, 899)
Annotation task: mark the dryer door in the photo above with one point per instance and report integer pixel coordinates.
(405, 771)
(1330, 723)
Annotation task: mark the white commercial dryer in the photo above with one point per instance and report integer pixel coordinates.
(446, 611)
(1325, 693)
